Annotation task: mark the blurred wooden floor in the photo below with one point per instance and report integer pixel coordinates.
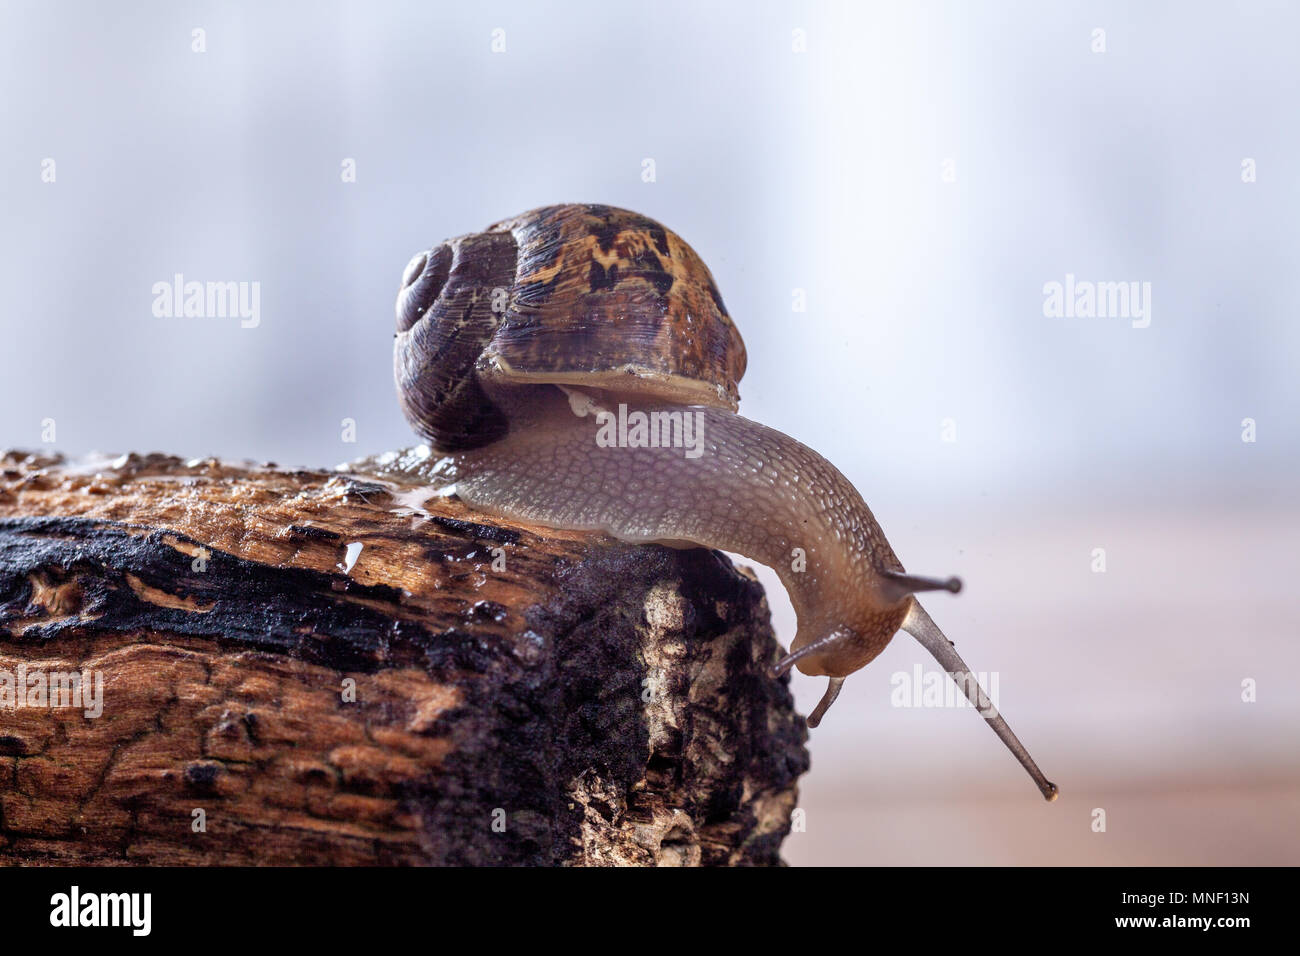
(1203, 823)
(1126, 686)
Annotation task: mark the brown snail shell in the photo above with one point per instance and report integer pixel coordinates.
(578, 294)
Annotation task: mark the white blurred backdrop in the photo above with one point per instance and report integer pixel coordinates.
(911, 175)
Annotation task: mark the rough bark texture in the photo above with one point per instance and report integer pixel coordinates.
(521, 696)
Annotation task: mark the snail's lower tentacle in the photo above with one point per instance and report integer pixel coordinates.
(830, 642)
(832, 692)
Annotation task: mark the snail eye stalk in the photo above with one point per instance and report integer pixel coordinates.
(904, 584)
(922, 627)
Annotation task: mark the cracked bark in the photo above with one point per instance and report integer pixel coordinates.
(519, 696)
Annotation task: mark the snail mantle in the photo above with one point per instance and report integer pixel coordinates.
(295, 666)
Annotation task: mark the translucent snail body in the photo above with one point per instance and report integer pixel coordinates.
(522, 351)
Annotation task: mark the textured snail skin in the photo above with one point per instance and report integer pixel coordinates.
(753, 491)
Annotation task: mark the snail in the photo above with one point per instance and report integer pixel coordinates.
(575, 367)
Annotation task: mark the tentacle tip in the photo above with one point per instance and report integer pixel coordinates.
(813, 720)
(1051, 792)
(954, 584)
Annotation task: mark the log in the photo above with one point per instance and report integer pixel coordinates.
(319, 667)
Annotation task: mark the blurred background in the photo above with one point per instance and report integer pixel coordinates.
(883, 192)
